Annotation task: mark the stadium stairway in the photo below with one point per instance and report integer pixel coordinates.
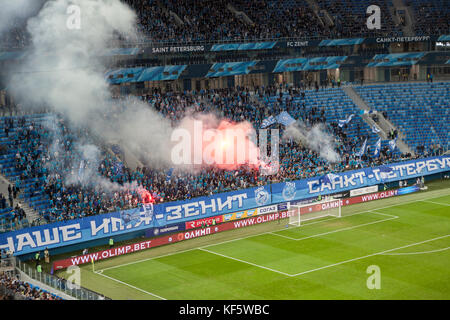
(399, 5)
(383, 123)
(30, 213)
(240, 14)
(314, 6)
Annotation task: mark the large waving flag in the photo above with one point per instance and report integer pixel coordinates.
(268, 122)
(285, 118)
(345, 121)
(393, 144)
(363, 149)
(376, 153)
(375, 129)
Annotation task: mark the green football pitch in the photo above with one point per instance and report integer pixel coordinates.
(396, 248)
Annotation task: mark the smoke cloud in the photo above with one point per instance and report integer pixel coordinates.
(64, 71)
(13, 11)
(315, 138)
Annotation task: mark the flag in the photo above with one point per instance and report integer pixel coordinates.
(384, 168)
(285, 118)
(268, 121)
(368, 112)
(81, 170)
(363, 149)
(376, 153)
(326, 179)
(169, 174)
(393, 144)
(345, 121)
(375, 129)
(118, 167)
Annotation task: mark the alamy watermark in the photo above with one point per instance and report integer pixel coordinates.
(374, 280)
(73, 21)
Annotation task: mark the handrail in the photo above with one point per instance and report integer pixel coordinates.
(60, 284)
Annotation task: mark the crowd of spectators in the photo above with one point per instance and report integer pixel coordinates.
(349, 19)
(209, 20)
(431, 17)
(12, 288)
(49, 155)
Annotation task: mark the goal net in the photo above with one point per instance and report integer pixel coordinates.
(298, 214)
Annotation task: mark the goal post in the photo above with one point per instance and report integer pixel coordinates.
(298, 214)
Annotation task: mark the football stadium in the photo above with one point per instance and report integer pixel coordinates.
(224, 151)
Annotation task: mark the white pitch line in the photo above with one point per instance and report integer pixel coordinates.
(414, 253)
(334, 231)
(369, 255)
(246, 262)
(256, 235)
(383, 214)
(440, 203)
(129, 285)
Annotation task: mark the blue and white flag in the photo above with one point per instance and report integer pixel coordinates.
(345, 121)
(384, 168)
(393, 144)
(268, 122)
(169, 174)
(285, 118)
(376, 153)
(363, 149)
(118, 167)
(375, 129)
(328, 178)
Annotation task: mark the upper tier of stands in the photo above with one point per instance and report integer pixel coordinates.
(431, 16)
(209, 20)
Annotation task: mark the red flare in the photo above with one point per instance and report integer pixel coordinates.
(146, 196)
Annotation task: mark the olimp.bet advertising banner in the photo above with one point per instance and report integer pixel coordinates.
(302, 189)
(157, 216)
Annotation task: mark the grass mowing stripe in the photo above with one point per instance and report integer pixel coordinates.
(243, 261)
(127, 284)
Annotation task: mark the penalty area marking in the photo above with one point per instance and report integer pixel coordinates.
(439, 203)
(413, 253)
(339, 230)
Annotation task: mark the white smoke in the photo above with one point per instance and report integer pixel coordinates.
(15, 12)
(64, 71)
(315, 138)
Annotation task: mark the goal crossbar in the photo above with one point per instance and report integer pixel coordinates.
(316, 210)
